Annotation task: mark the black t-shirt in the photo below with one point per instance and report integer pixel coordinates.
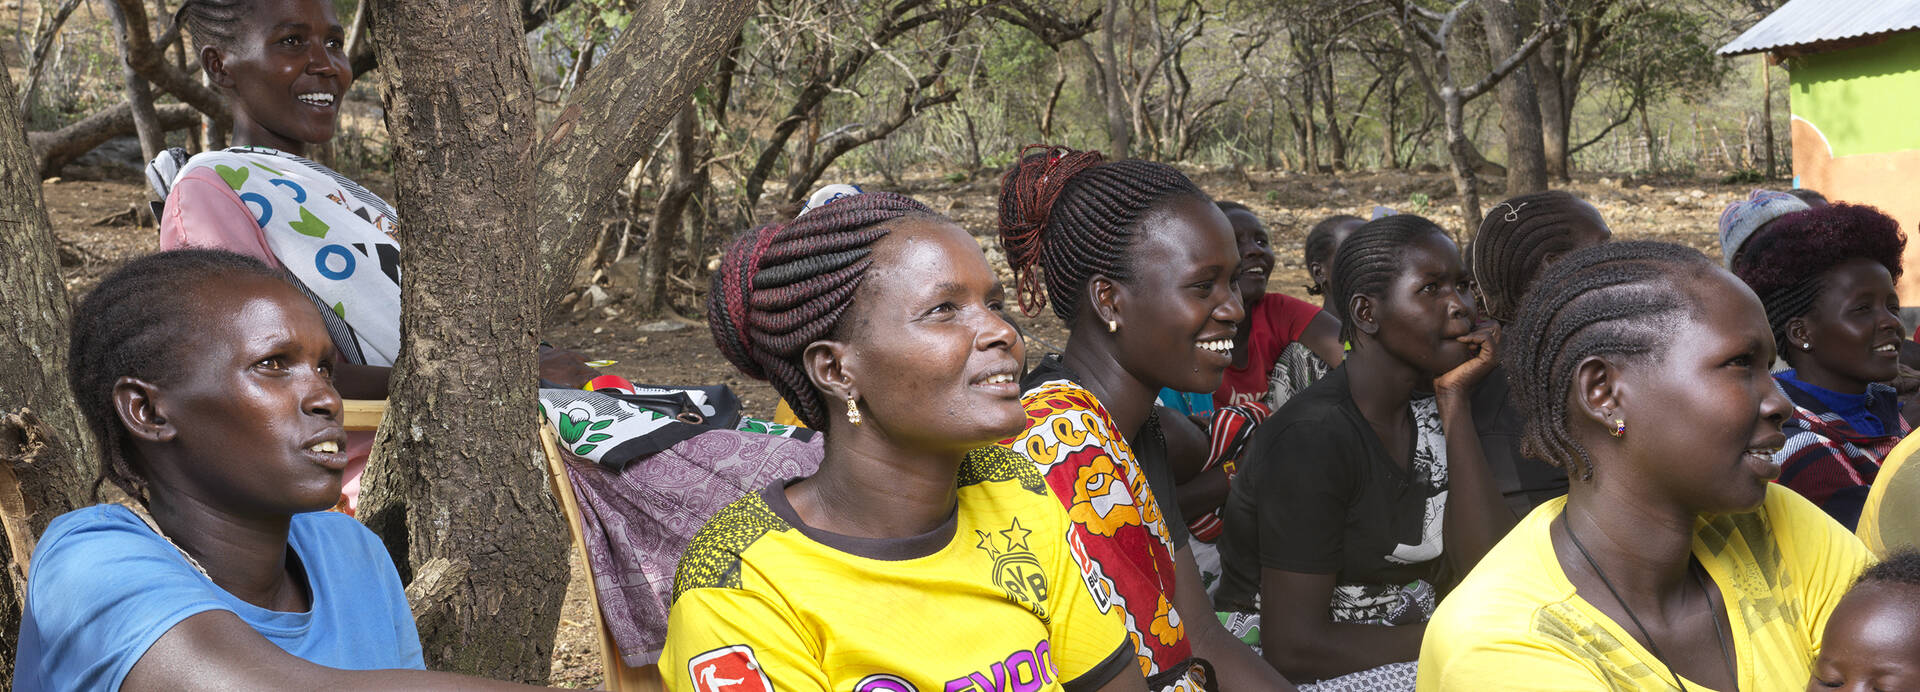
(1149, 449)
(1524, 482)
(1318, 494)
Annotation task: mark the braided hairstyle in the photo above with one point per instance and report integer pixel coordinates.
(1786, 262)
(783, 286)
(1618, 300)
(213, 22)
(1320, 246)
(1367, 262)
(1069, 215)
(138, 323)
(1514, 242)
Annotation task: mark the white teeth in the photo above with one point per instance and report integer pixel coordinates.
(1218, 345)
(328, 447)
(998, 379)
(317, 98)
(1888, 348)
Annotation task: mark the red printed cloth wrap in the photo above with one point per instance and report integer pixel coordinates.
(1232, 427)
(1092, 471)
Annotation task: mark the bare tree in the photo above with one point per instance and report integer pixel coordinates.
(45, 452)
(1429, 38)
(1519, 103)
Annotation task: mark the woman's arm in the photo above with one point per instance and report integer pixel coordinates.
(1299, 637)
(1477, 516)
(1198, 491)
(1322, 337)
(215, 650)
(1237, 665)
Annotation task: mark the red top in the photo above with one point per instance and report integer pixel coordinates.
(1278, 321)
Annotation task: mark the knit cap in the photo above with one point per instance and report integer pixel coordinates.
(1742, 218)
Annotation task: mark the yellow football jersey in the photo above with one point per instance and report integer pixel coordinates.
(993, 601)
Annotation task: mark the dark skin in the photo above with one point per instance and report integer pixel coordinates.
(1870, 643)
(1418, 333)
(1181, 295)
(232, 446)
(1850, 337)
(927, 351)
(1636, 516)
(285, 74)
(1322, 268)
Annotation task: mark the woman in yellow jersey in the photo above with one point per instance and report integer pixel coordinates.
(1673, 563)
(919, 556)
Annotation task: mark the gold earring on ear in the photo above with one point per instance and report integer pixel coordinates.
(1113, 326)
(853, 411)
(1619, 428)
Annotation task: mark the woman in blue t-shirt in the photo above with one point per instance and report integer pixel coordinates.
(207, 381)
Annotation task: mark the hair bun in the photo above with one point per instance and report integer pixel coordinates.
(1027, 196)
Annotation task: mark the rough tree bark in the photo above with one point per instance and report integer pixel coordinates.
(1119, 128)
(44, 449)
(1519, 104)
(689, 160)
(456, 488)
(638, 86)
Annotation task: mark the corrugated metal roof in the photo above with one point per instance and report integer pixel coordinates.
(1803, 22)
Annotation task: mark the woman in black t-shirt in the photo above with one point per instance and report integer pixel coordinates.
(1344, 524)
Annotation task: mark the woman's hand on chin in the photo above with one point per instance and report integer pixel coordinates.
(1458, 384)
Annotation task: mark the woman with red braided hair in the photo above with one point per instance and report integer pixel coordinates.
(920, 556)
(1140, 265)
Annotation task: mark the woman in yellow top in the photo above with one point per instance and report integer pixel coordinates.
(920, 556)
(1673, 563)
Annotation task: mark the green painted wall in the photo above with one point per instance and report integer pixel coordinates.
(1865, 100)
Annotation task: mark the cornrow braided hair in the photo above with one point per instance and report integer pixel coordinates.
(213, 22)
(137, 323)
(1617, 300)
(1787, 260)
(1514, 242)
(781, 287)
(1068, 215)
(1369, 259)
(1319, 245)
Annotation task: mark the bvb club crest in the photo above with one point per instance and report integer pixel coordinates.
(1015, 568)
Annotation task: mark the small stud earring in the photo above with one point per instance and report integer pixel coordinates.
(1113, 326)
(1804, 346)
(1619, 428)
(853, 411)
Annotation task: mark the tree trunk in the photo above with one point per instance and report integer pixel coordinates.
(1519, 104)
(1766, 114)
(1119, 128)
(53, 150)
(638, 86)
(664, 232)
(46, 465)
(456, 488)
(1336, 140)
(146, 121)
(1460, 153)
(1554, 126)
(1653, 145)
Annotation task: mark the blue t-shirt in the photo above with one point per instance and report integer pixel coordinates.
(104, 587)
(1853, 408)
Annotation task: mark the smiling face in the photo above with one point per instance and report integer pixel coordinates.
(1426, 308)
(1256, 255)
(253, 414)
(1853, 329)
(286, 70)
(1703, 414)
(1178, 311)
(927, 345)
(1871, 644)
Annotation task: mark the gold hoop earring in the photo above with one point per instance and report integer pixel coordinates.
(1619, 428)
(853, 411)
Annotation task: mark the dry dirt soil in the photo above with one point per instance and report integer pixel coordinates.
(96, 233)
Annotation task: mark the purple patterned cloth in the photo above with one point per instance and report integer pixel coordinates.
(638, 520)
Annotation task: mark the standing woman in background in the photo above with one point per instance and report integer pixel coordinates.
(1516, 242)
(1140, 265)
(1826, 277)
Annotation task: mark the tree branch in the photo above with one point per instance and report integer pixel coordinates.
(1506, 67)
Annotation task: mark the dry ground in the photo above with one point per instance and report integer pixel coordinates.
(677, 351)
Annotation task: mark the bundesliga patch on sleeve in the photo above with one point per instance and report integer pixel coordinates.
(728, 669)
